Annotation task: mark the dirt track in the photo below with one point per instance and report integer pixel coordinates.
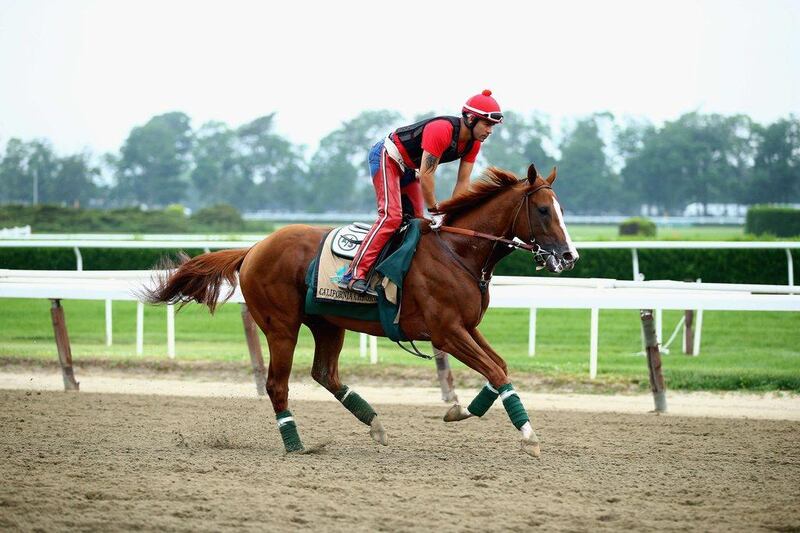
(103, 461)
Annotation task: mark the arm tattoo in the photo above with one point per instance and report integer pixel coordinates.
(431, 161)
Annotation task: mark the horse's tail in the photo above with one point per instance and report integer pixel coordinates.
(199, 279)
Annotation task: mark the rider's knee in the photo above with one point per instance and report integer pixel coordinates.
(393, 220)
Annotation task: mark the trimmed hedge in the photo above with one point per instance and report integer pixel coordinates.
(777, 221)
(93, 258)
(57, 219)
(52, 218)
(638, 226)
(712, 266)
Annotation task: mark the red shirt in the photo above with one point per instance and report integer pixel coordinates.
(436, 138)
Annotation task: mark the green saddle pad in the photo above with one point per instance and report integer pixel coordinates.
(387, 308)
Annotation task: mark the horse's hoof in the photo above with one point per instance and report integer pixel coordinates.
(377, 432)
(531, 447)
(456, 413)
(449, 397)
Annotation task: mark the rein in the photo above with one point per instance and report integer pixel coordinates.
(516, 243)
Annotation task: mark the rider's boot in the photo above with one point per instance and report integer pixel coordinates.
(359, 286)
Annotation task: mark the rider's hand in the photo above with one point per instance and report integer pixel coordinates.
(437, 220)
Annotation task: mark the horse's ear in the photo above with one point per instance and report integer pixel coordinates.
(552, 177)
(532, 173)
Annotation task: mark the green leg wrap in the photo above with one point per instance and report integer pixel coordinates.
(356, 404)
(516, 411)
(483, 401)
(288, 429)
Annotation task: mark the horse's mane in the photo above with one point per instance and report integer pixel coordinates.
(492, 181)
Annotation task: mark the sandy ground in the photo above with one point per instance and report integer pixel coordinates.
(101, 461)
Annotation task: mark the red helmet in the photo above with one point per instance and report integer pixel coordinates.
(483, 106)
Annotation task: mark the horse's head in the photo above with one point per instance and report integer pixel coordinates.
(543, 224)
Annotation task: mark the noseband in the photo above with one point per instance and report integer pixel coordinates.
(539, 253)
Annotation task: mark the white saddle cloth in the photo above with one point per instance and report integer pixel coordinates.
(346, 239)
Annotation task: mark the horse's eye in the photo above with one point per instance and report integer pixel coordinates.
(543, 210)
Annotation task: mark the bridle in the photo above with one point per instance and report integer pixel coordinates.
(540, 254)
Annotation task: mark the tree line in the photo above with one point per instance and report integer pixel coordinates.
(606, 165)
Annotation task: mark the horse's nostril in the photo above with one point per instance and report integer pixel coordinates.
(568, 257)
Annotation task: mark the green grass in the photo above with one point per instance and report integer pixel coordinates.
(740, 350)
(610, 232)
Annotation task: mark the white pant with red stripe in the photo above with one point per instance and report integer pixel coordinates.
(388, 196)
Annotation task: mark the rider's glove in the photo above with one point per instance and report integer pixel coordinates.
(437, 220)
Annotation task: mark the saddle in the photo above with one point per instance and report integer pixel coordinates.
(324, 297)
(345, 240)
(338, 250)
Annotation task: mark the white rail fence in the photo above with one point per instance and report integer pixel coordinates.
(506, 292)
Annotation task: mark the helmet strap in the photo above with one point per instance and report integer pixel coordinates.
(470, 126)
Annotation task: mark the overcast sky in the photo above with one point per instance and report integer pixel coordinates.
(83, 73)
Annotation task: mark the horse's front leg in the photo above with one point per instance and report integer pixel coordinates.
(529, 438)
(475, 352)
(488, 395)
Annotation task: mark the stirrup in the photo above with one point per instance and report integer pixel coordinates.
(345, 282)
(359, 286)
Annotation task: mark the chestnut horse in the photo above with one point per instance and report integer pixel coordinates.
(443, 301)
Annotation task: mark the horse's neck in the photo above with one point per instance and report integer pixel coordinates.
(494, 217)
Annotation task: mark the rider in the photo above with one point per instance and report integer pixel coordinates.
(393, 162)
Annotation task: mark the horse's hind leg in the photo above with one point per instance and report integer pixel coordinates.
(282, 339)
(328, 341)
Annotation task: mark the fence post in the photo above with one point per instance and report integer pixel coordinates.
(109, 324)
(657, 385)
(171, 331)
(62, 344)
(698, 330)
(373, 350)
(635, 257)
(445, 376)
(254, 347)
(688, 332)
(78, 259)
(139, 328)
(532, 332)
(594, 333)
(659, 315)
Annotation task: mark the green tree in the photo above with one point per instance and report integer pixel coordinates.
(776, 172)
(154, 161)
(339, 175)
(32, 173)
(271, 166)
(218, 175)
(588, 184)
(518, 142)
(697, 158)
(74, 182)
(42, 166)
(15, 183)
